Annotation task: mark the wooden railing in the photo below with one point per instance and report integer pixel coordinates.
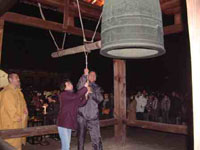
(43, 130)
(52, 129)
(163, 127)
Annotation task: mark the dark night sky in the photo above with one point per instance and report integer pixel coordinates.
(30, 48)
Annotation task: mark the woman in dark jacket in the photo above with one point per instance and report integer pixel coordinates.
(67, 117)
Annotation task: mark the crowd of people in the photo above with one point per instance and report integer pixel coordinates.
(160, 107)
(149, 106)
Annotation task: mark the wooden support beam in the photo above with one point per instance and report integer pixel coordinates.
(171, 29)
(178, 18)
(32, 131)
(193, 13)
(78, 49)
(173, 11)
(178, 129)
(48, 25)
(97, 45)
(1, 37)
(87, 10)
(6, 5)
(120, 99)
(68, 20)
(171, 7)
(5, 146)
(108, 122)
(43, 130)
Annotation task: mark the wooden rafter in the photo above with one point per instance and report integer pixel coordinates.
(87, 10)
(171, 6)
(48, 25)
(93, 12)
(66, 17)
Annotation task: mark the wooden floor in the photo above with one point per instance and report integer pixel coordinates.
(137, 139)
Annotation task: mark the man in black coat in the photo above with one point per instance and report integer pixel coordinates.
(88, 115)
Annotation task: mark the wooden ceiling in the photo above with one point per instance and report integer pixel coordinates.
(92, 8)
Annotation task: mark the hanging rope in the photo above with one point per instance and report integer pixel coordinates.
(85, 41)
(86, 57)
(51, 34)
(64, 38)
(97, 27)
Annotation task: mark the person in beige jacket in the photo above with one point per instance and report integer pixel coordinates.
(13, 109)
(132, 110)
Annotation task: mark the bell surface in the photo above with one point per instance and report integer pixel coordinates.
(132, 29)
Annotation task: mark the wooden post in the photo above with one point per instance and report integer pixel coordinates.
(193, 12)
(1, 37)
(68, 20)
(120, 99)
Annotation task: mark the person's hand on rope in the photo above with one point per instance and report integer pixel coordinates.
(89, 90)
(86, 71)
(86, 84)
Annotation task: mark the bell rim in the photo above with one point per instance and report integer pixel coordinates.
(160, 49)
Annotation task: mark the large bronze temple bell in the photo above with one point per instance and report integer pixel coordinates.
(132, 29)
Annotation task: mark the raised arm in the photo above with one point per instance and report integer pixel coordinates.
(83, 79)
(81, 82)
(80, 93)
(97, 95)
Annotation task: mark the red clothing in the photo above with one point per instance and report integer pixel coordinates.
(69, 103)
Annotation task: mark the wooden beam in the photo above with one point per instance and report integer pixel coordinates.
(67, 19)
(5, 146)
(1, 37)
(170, 4)
(178, 18)
(43, 130)
(48, 25)
(87, 10)
(97, 45)
(178, 129)
(193, 13)
(93, 12)
(6, 5)
(120, 99)
(78, 49)
(173, 11)
(108, 122)
(31, 131)
(171, 29)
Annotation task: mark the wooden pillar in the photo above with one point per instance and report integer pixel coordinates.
(193, 13)
(120, 98)
(68, 20)
(1, 37)
(178, 18)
